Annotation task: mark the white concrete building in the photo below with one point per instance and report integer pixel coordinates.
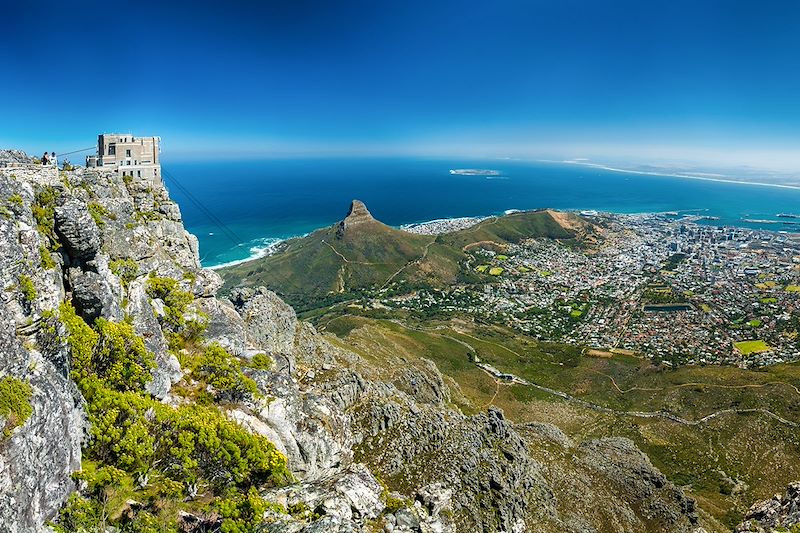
(132, 156)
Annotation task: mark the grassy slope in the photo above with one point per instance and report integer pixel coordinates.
(708, 459)
(309, 268)
(308, 273)
(509, 228)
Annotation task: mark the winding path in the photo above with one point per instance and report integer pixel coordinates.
(413, 261)
(695, 384)
(602, 409)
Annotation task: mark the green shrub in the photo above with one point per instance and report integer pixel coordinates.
(81, 340)
(45, 259)
(43, 208)
(106, 487)
(120, 357)
(81, 514)
(15, 403)
(111, 352)
(15, 199)
(222, 371)
(190, 444)
(26, 287)
(261, 361)
(185, 453)
(125, 269)
(175, 300)
(121, 432)
(243, 513)
(99, 213)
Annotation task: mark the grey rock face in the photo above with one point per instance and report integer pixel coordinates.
(312, 433)
(14, 156)
(224, 326)
(94, 295)
(36, 462)
(495, 483)
(270, 323)
(646, 492)
(352, 500)
(357, 214)
(77, 230)
(352, 494)
(779, 513)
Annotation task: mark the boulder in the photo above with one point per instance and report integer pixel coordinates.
(77, 230)
(779, 513)
(95, 295)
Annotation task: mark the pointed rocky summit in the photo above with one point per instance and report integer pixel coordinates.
(358, 214)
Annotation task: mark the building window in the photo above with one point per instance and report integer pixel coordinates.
(138, 173)
(127, 153)
(112, 149)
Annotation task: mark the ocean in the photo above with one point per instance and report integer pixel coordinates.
(238, 209)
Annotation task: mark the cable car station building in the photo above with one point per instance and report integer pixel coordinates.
(132, 156)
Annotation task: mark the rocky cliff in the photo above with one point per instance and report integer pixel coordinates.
(371, 443)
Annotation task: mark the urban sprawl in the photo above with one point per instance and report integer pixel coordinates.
(655, 285)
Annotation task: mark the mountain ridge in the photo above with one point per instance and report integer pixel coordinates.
(361, 253)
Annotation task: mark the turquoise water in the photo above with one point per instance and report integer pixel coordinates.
(260, 202)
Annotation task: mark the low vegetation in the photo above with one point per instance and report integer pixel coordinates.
(167, 459)
(26, 287)
(99, 213)
(46, 260)
(223, 372)
(15, 404)
(125, 269)
(175, 299)
(43, 208)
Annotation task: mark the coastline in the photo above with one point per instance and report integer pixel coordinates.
(438, 226)
(670, 175)
(269, 244)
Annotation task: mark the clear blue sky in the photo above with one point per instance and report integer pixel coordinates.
(682, 79)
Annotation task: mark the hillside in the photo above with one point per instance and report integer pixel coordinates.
(360, 253)
(710, 430)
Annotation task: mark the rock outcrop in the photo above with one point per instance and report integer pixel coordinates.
(38, 456)
(356, 216)
(58, 236)
(779, 513)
